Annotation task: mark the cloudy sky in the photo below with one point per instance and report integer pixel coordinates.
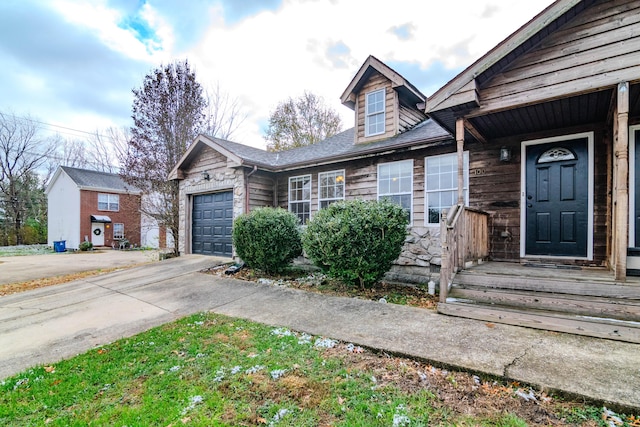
(72, 64)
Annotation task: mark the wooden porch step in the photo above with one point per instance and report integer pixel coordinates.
(605, 307)
(560, 284)
(580, 325)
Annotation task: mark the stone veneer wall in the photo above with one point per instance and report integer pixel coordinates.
(229, 179)
(419, 261)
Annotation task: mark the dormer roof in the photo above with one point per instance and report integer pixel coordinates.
(408, 93)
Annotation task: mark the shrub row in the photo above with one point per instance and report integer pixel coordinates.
(356, 241)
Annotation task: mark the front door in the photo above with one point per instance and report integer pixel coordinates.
(557, 198)
(97, 233)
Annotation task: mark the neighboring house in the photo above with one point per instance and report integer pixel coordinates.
(390, 154)
(152, 234)
(86, 205)
(530, 156)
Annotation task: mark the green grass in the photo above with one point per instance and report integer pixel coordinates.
(212, 370)
(25, 250)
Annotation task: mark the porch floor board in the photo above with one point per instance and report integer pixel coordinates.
(584, 301)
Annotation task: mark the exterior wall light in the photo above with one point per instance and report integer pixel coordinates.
(505, 154)
(205, 175)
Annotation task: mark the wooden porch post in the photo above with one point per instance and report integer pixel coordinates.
(462, 237)
(621, 167)
(460, 146)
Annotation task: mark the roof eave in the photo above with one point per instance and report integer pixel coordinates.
(109, 190)
(374, 63)
(537, 23)
(175, 174)
(412, 145)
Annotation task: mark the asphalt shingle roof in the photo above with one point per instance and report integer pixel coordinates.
(338, 147)
(95, 179)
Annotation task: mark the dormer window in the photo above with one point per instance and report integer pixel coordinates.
(374, 113)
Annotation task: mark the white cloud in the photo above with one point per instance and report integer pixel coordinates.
(279, 51)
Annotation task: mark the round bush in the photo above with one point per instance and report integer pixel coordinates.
(267, 239)
(356, 240)
(85, 246)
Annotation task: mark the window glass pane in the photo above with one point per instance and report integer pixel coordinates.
(331, 187)
(441, 184)
(114, 202)
(118, 231)
(395, 182)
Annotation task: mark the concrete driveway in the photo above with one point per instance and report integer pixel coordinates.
(48, 324)
(29, 267)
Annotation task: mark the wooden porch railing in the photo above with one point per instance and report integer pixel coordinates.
(464, 233)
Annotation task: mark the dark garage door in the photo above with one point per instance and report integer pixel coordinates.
(212, 222)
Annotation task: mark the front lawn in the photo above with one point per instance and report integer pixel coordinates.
(213, 370)
(25, 250)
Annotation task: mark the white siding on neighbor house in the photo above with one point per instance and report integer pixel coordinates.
(150, 233)
(63, 201)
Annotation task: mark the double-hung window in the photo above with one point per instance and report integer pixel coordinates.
(108, 202)
(330, 187)
(118, 230)
(395, 183)
(374, 113)
(441, 187)
(300, 197)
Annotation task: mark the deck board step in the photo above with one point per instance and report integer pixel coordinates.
(580, 325)
(573, 304)
(471, 279)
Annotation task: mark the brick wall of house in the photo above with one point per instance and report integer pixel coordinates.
(128, 214)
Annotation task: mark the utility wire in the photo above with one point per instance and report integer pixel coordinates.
(58, 126)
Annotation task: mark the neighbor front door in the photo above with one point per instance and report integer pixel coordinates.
(557, 198)
(97, 233)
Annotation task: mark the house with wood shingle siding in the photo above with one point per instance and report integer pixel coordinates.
(521, 176)
(383, 156)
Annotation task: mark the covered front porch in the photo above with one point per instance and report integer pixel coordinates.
(550, 242)
(551, 120)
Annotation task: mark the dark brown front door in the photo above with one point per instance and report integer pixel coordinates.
(557, 198)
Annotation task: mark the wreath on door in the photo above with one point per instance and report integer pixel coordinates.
(97, 231)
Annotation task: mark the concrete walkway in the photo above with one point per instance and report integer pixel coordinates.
(49, 324)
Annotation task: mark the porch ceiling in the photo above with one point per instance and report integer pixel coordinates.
(584, 109)
(557, 114)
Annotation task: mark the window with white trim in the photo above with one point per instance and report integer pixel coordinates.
(108, 202)
(395, 183)
(330, 187)
(118, 230)
(441, 186)
(374, 113)
(300, 197)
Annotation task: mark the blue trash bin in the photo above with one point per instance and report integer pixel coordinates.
(60, 246)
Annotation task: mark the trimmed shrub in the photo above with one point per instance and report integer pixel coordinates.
(85, 246)
(267, 239)
(356, 240)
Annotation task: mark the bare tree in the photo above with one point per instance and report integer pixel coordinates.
(224, 114)
(300, 122)
(169, 111)
(22, 152)
(108, 148)
(73, 153)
